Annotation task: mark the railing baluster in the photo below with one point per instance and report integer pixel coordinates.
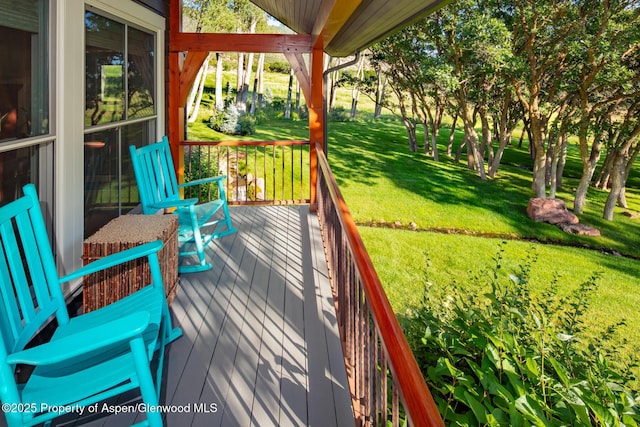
(277, 174)
(374, 344)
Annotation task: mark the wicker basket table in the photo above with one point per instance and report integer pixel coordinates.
(127, 231)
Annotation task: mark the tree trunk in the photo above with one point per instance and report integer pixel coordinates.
(254, 97)
(588, 169)
(260, 71)
(355, 91)
(505, 139)
(380, 88)
(503, 131)
(196, 105)
(462, 146)
(602, 180)
(410, 126)
(219, 70)
(553, 172)
(617, 183)
(287, 110)
(475, 160)
(562, 161)
(247, 78)
(452, 134)
(486, 144)
(191, 99)
(434, 143)
(538, 131)
(239, 78)
(425, 139)
(333, 84)
(580, 199)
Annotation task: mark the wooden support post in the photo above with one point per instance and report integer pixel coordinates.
(175, 106)
(316, 118)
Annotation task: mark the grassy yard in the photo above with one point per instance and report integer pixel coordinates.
(462, 221)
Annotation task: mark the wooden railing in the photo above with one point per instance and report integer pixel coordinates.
(385, 380)
(386, 383)
(258, 172)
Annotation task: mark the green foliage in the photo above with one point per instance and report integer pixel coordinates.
(267, 97)
(507, 357)
(339, 114)
(281, 67)
(246, 125)
(230, 122)
(216, 118)
(199, 164)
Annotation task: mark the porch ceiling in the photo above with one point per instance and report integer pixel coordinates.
(344, 27)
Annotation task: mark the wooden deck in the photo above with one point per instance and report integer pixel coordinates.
(260, 344)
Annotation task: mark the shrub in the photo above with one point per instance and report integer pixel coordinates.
(230, 121)
(339, 114)
(267, 96)
(246, 125)
(216, 119)
(282, 67)
(509, 358)
(261, 117)
(200, 163)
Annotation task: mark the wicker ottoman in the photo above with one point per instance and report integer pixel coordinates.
(125, 232)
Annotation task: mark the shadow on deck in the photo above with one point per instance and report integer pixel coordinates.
(260, 344)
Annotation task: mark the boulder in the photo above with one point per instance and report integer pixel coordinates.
(581, 229)
(553, 211)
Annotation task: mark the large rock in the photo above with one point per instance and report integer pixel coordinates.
(553, 211)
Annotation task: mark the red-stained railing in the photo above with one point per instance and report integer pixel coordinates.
(385, 380)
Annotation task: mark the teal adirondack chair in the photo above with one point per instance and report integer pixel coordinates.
(90, 357)
(159, 190)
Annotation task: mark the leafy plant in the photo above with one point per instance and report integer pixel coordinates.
(246, 125)
(200, 163)
(339, 114)
(510, 358)
(230, 122)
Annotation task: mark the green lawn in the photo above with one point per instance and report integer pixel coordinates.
(462, 220)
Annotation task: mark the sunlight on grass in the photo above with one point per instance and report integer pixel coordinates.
(383, 183)
(400, 257)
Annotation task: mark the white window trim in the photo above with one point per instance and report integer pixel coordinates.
(69, 107)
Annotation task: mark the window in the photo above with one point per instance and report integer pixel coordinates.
(119, 111)
(24, 96)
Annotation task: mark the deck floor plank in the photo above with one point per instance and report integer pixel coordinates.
(260, 344)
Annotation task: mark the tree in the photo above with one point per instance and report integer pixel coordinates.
(624, 148)
(476, 45)
(605, 64)
(541, 30)
(250, 18)
(417, 77)
(207, 16)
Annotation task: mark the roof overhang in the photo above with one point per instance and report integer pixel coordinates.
(343, 27)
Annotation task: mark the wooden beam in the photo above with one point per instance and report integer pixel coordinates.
(255, 43)
(192, 64)
(299, 67)
(330, 20)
